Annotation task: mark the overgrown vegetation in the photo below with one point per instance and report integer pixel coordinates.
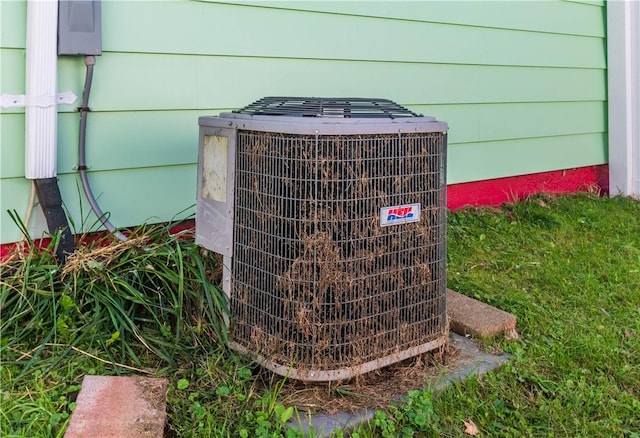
(145, 306)
(568, 268)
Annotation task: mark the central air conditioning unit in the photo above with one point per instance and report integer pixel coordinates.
(331, 217)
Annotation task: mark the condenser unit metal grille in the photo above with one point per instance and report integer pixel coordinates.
(321, 287)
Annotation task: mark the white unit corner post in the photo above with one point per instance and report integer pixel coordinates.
(623, 49)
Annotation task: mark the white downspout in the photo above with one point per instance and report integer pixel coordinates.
(623, 68)
(635, 98)
(41, 117)
(41, 82)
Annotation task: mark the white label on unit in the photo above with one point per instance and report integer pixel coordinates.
(399, 214)
(214, 168)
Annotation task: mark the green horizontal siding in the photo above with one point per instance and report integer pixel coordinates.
(529, 15)
(511, 121)
(521, 84)
(131, 81)
(476, 161)
(12, 79)
(540, 16)
(147, 81)
(144, 139)
(372, 38)
(131, 197)
(175, 133)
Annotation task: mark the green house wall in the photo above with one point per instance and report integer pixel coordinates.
(522, 85)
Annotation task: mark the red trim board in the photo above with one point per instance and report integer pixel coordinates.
(497, 191)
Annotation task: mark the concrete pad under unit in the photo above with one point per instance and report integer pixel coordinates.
(471, 361)
(467, 317)
(112, 407)
(472, 317)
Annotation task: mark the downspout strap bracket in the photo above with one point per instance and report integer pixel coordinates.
(46, 101)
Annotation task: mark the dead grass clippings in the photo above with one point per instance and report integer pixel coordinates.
(374, 390)
(88, 259)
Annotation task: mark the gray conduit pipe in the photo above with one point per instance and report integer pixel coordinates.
(89, 62)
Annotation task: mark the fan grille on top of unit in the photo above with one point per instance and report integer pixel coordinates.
(326, 107)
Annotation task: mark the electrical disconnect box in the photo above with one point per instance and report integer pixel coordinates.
(79, 27)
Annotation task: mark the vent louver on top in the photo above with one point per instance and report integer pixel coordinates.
(326, 107)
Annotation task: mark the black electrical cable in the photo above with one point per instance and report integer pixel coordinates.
(89, 62)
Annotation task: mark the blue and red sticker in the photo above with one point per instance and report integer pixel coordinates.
(399, 214)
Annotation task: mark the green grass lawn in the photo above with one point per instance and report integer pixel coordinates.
(568, 267)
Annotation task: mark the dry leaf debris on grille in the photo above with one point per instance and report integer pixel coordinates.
(316, 280)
